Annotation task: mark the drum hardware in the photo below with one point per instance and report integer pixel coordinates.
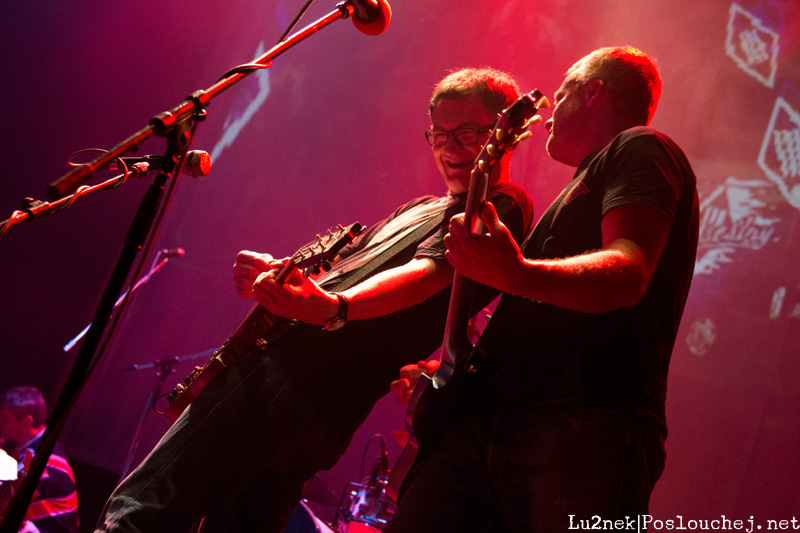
(364, 508)
(303, 520)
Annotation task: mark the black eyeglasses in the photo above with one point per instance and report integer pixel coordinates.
(463, 136)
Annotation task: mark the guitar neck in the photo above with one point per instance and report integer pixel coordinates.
(510, 129)
(456, 343)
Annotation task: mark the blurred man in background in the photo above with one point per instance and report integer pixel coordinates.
(54, 507)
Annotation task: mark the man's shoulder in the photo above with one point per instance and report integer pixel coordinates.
(639, 136)
(512, 190)
(414, 202)
(510, 196)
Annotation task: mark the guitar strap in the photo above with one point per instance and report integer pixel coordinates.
(260, 325)
(374, 265)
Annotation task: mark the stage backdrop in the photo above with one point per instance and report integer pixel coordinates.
(332, 133)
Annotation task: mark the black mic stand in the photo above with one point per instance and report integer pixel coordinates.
(166, 367)
(144, 279)
(174, 125)
(178, 141)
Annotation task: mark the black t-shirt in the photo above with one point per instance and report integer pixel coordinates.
(344, 372)
(543, 354)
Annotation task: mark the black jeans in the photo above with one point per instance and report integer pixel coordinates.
(539, 471)
(239, 454)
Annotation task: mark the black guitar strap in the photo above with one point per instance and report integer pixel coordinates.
(416, 236)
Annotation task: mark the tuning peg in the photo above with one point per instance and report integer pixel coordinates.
(522, 137)
(534, 120)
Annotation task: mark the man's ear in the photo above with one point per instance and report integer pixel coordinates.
(595, 89)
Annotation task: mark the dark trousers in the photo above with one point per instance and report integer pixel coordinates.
(540, 471)
(238, 456)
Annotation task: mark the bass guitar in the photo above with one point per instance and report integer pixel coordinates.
(260, 326)
(425, 423)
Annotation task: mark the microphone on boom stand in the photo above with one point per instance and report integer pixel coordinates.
(371, 16)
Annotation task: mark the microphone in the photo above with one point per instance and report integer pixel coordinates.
(196, 164)
(172, 252)
(371, 16)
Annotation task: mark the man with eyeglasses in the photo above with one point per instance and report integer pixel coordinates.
(239, 455)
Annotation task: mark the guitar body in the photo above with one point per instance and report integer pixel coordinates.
(198, 379)
(254, 333)
(439, 410)
(431, 415)
(439, 403)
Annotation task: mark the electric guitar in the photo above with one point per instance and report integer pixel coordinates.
(427, 424)
(260, 326)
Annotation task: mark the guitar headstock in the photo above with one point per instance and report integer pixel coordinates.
(318, 253)
(510, 129)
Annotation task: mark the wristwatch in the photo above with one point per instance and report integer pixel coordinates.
(341, 315)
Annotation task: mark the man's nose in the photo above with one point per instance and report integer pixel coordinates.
(451, 142)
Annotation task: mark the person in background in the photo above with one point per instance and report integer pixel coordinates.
(54, 506)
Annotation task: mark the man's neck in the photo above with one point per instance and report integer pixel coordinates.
(32, 436)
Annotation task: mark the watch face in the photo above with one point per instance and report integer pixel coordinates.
(334, 324)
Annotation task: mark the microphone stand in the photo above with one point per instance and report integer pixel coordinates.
(166, 367)
(178, 140)
(175, 126)
(153, 269)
